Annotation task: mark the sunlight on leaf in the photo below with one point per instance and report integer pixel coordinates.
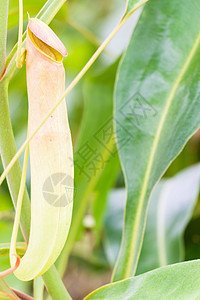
(158, 108)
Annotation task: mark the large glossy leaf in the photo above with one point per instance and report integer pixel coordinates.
(157, 108)
(175, 282)
(171, 206)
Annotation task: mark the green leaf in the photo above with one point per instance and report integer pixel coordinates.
(171, 206)
(157, 108)
(132, 5)
(180, 281)
(4, 296)
(5, 292)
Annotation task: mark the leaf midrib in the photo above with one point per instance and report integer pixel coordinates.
(154, 148)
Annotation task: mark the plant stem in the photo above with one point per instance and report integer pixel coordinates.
(18, 207)
(7, 141)
(55, 286)
(3, 34)
(49, 10)
(38, 288)
(87, 34)
(19, 49)
(7, 150)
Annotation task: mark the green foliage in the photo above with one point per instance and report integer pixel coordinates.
(4, 296)
(132, 4)
(157, 109)
(5, 292)
(180, 281)
(3, 31)
(170, 209)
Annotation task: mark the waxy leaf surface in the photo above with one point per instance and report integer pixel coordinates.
(157, 108)
(180, 281)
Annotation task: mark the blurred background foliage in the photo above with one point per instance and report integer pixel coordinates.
(82, 25)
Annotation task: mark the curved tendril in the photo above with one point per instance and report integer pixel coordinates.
(12, 269)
